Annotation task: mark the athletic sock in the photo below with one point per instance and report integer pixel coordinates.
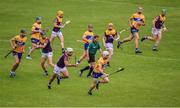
(90, 71)
(86, 68)
(63, 51)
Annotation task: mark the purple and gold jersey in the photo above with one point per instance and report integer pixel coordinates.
(47, 48)
(63, 58)
(58, 22)
(109, 35)
(36, 26)
(159, 21)
(137, 18)
(20, 43)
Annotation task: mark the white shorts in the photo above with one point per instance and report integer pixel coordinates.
(58, 70)
(156, 31)
(47, 55)
(55, 34)
(109, 46)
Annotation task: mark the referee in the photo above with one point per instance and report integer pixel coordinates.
(91, 52)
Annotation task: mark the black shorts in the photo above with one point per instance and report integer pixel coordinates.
(91, 58)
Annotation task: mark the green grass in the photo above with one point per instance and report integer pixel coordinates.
(149, 79)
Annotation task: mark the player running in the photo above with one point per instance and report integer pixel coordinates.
(58, 24)
(87, 38)
(158, 27)
(47, 53)
(35, 36)
(91, 52)
(136, 21)
(98, 72)
(60, 67)
(109, 36)
(18, 44)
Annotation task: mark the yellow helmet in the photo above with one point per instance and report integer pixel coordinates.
(59, 13)
(110, 24)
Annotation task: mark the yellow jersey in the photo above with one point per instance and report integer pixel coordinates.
(137, 18)
(88, 36)
(100, 63)
(36, 26)
(20, 43)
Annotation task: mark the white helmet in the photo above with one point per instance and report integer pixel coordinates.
(105, 53)
(69, 50)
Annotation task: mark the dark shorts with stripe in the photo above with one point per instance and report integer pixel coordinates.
(17, 54)
(96, 75)
(133, 30)
(35, 41)
(91, 58)
(86, 46)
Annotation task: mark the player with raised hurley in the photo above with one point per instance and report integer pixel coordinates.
(58, 24)
(60, 67)
(158, 26)
(135, 21)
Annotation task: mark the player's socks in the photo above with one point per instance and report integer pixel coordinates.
(80, 73)
(144, 38)
(63, 50)
(46, 73)
(49, 86)
(154, 48)
(28, 57)
(85, 68)
(58, 79)
(12, 74)
(137, 50)
(78, 62)
(97, 85)
(108, 64)
(90, 72)
(119, 44)
(89, 92)
(82, 70)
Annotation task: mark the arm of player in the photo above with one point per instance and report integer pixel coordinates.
(101, 70)
(12, 42)
(130, 21)
(164, 28)
(84, 38)
(67, 64)
(35, 31)
(117, 36)
(143, 22)
(104, 39)
(55, 24)
(153, 22)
